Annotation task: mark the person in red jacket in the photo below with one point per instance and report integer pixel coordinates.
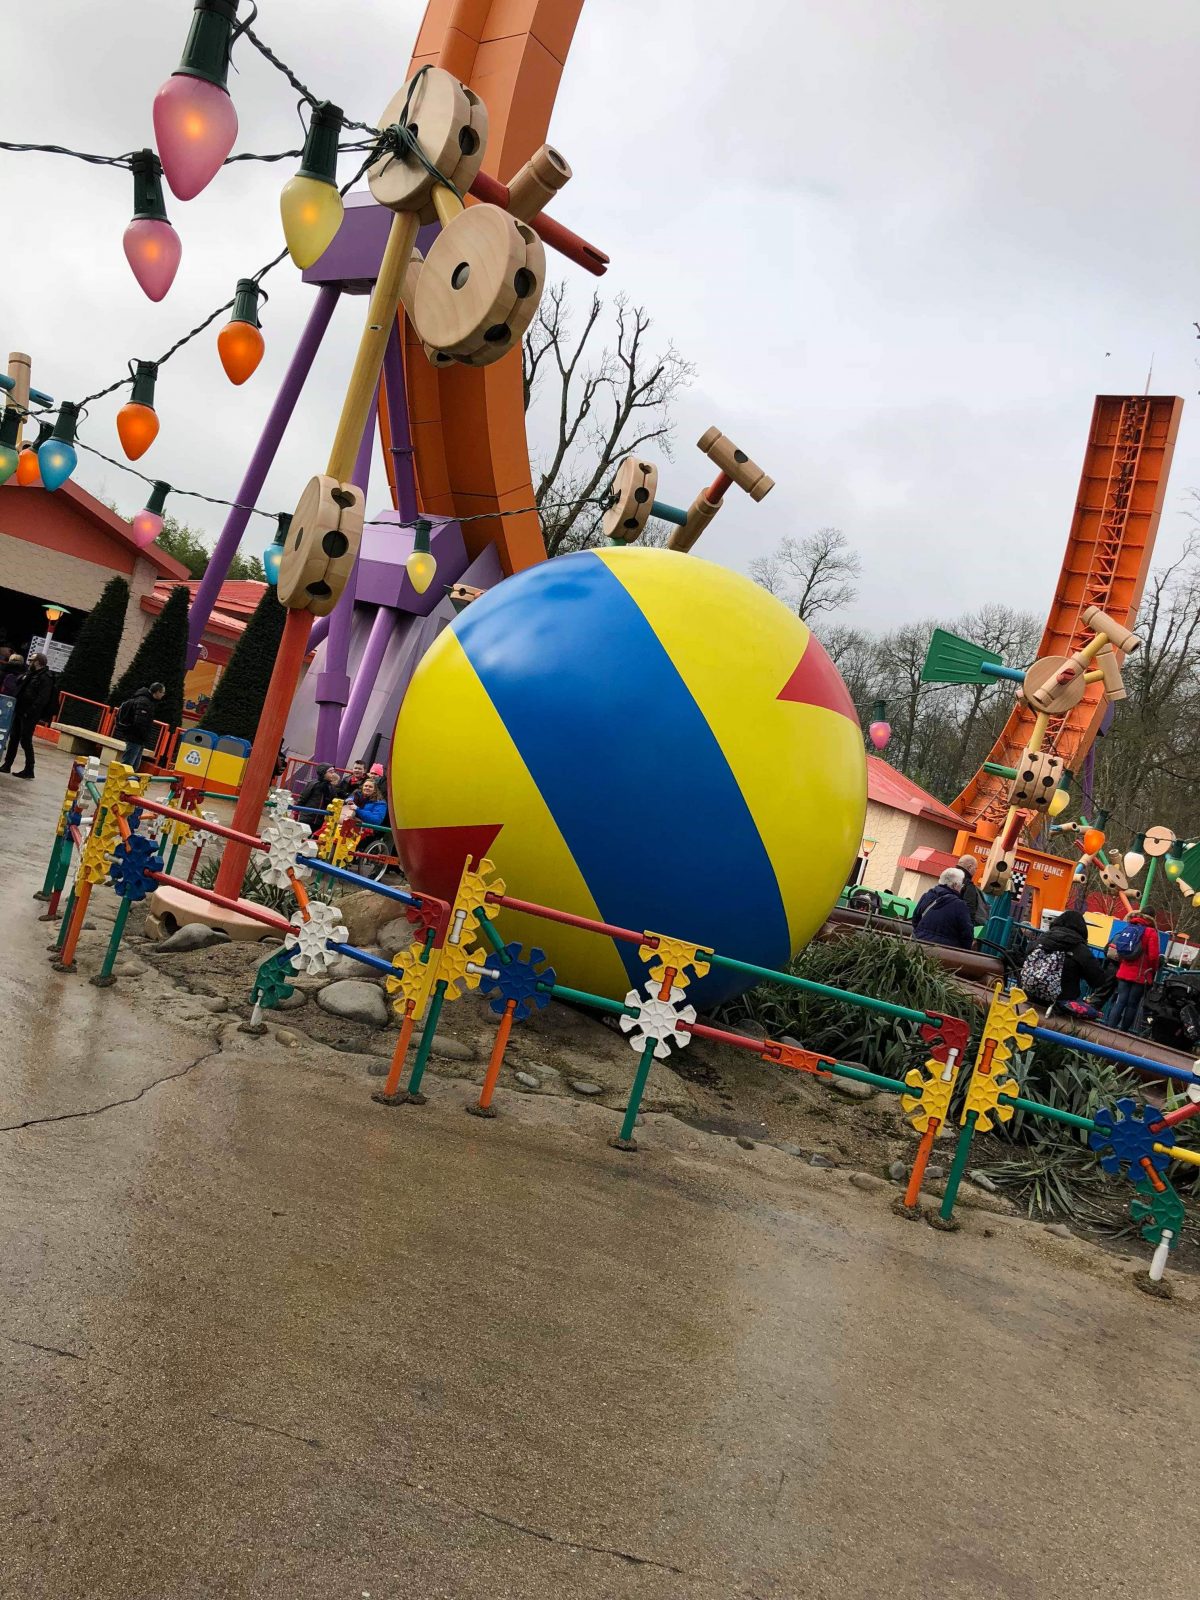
(1134, 975)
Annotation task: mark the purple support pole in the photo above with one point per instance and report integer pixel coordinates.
(402, 446)
(364, 682)
(333, 685)
(320, 632)
(260, 464)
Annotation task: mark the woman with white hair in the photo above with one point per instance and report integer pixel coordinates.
(941, 916)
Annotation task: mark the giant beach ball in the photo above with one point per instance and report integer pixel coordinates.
(640, 737)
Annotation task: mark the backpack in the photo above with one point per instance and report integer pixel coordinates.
(1129, 940)
(128, 715)
(1042, 975)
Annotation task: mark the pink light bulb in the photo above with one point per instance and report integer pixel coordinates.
(195, 125)
(152, 249)
(879, 733)
(146, 528)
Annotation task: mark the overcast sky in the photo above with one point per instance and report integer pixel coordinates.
(905, 244)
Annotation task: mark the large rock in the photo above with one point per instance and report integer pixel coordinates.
(356, 1001)
(365, 914)
(194, 936)
(395, 936)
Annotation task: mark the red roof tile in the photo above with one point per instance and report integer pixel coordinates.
(887, 787)
(929, 863)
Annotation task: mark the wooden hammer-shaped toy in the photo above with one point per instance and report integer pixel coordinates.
(635, 487)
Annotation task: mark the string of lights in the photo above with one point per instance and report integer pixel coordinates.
(195, 127)
(389, 522)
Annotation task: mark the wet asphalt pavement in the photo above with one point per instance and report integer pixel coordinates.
(260, 1337)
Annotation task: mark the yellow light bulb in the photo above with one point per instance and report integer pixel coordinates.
(312, 214)
(1059, 801)
(422, 570)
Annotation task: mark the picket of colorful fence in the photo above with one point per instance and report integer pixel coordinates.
(456, 949)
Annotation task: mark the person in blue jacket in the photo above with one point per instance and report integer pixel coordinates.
(941, 916)
(369, 803)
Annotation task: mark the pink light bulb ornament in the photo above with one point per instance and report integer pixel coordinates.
(195, 123)
(152, 246)
(148, 523)
(152, 250)
(879, 734)
(146, 528)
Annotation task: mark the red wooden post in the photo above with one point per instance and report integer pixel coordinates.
(256, 783)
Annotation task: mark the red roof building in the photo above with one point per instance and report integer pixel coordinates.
(908, 836)
(61, 549)
(235, 605)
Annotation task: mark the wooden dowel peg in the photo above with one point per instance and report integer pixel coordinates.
(533, 186)
(700, 514)
(1115, 632)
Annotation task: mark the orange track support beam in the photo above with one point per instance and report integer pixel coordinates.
(1108, 557)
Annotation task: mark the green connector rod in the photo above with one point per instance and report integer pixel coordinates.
(997, 771)
(598, 1001)
(66, 920)
(47, 888)
(667, 513)
(958, 1166)
(421, 1060)
(637, 1091)
(1054, 1114)
(865, 1001)
(861, 1075)
(114, 943)
(494, 938)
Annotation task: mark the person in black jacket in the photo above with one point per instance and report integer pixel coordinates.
(135, 723)
(941, 915)
(33, 701)
(1069, 933)
(319, 793)
(352, 780)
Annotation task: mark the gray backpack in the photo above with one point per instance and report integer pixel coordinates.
(1042, 975)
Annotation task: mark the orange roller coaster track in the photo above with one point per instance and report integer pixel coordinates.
(1108, 556)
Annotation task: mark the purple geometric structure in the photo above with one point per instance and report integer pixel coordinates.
(368, 648)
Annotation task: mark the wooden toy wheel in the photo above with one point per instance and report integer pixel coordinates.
(450, 125)
(322, 543)
(636, 488)
(480, 286)
(1044, 692)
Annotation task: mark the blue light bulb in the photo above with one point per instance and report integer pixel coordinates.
(272, 556)
(56, 462)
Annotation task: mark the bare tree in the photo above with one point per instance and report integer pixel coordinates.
(811, 576)
(601, 401)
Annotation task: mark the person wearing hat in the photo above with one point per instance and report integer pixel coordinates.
(968, 866)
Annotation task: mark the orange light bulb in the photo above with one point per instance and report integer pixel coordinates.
(240, 346)
(28, 475)
(137, 428)
(1093, 841)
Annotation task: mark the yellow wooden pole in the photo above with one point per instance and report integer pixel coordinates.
(446, 203)
(368, 363)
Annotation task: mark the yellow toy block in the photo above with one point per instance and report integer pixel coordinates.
(932, 1099)
(679, 955)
